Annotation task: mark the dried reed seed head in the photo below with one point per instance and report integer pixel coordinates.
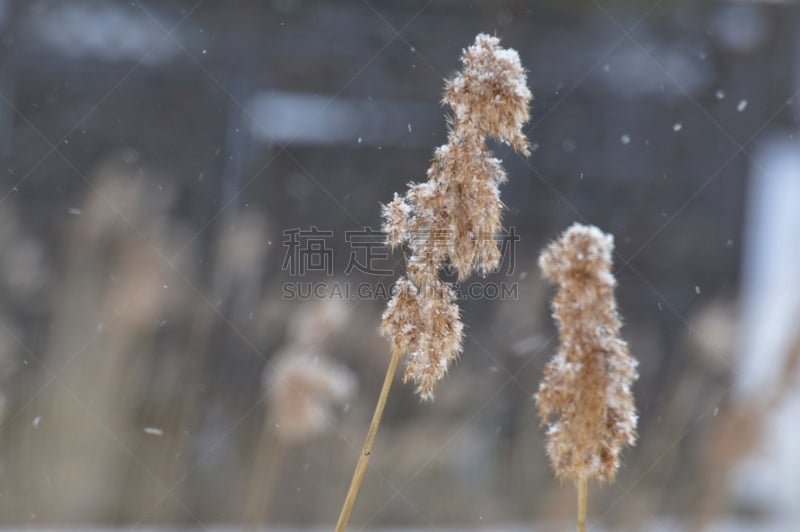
(490, 93)
(302, 389)
(586, 386)
(456, 214)
(425, 323)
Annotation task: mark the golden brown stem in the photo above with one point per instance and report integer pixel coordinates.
(361, 466)
(583, 490)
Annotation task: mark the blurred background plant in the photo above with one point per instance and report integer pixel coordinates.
(157, 157)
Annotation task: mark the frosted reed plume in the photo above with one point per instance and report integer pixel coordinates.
(586, 386)
(452, 217)
(586, 392)
(455, 216)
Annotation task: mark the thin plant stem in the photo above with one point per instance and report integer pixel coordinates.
(361, 466)
(269, 457)
(583, 490)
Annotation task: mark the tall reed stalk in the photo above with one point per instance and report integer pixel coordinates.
(363, 460)
(452, 219)
(585, 395)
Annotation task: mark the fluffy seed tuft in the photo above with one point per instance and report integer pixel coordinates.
(454, 217)
(586, 392)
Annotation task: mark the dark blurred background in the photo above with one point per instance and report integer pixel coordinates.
(157, 156)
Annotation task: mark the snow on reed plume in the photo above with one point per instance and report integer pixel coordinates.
(455, 215)
(585, 394)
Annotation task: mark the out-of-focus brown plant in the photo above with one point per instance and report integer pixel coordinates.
(585, 395)
(452, 217)
(302, 385)
(112, 277)
(738, 432)
(302, 388)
